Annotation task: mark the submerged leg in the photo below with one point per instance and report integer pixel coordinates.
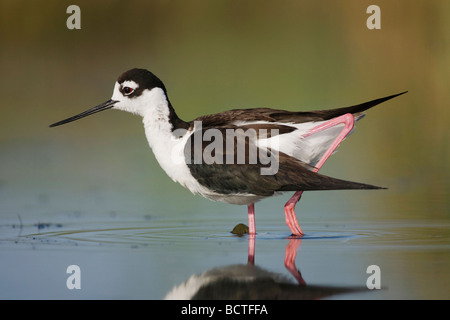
(289, 260)
(289, 208)
(251, 249)
(251, 234)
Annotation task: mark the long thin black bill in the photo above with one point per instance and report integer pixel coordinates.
(105, 105)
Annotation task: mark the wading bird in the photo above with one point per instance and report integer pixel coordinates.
(296, 144)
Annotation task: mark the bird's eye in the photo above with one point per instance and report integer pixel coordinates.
(127, 90)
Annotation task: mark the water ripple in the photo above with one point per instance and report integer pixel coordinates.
(144, 233)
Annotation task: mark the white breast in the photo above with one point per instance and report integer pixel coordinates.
(169, 147)
(169, 152)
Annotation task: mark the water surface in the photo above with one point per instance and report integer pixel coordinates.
(150, 258)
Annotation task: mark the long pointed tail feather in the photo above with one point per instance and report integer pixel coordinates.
(332, 113)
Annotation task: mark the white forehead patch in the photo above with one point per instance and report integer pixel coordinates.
(117, 95)
(130, 83)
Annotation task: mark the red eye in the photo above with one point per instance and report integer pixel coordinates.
(127, 90)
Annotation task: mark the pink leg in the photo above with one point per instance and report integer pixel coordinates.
(291, 218)
(251, 219)
(348, 121)
(251, 249)
(252, 233)
(289, 260)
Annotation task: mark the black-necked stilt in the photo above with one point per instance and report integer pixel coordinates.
(223, 156)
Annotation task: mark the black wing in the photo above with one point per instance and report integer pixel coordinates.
(215, 170)
(282, 116)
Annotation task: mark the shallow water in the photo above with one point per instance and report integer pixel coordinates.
(152, 257)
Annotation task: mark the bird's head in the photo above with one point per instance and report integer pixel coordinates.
(136, 91)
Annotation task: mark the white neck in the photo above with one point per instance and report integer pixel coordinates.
(156, 118)
(158, 128)
(167, 147)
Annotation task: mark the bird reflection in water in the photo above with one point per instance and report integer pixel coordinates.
(251, 282)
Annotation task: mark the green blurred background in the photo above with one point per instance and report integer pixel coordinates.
(213, 56)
